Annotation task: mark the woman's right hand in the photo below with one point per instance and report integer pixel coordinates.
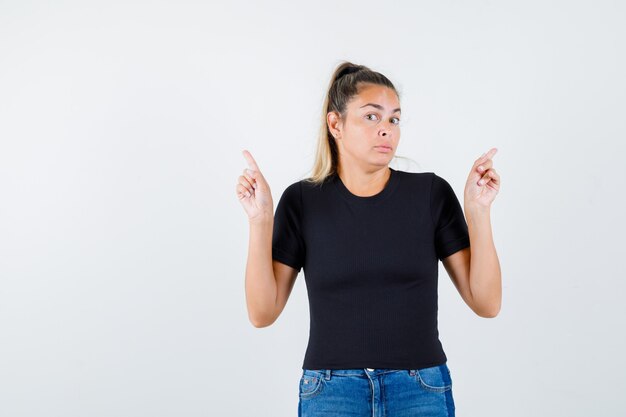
(254, 192)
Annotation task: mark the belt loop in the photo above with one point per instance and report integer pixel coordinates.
(327, 376)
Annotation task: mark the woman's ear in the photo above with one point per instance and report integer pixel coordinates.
(334, 124)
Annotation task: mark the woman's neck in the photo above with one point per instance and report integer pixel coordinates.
(364, 184)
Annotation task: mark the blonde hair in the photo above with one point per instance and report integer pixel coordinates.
(344, 84)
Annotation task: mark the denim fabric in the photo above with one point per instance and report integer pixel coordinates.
(370, 392)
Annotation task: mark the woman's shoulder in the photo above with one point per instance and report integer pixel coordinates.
(416, 178)
(415, 175)
(427, 176)
(308, 184)
(305, 186)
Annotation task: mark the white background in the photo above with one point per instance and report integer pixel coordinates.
(123, 244)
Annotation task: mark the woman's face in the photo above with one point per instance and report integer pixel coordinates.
(371, 124)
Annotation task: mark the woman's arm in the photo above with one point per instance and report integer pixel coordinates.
(260, 280)
(268, 282)
(475, 271)
(481, 189)
(485, 278)
(265, 283)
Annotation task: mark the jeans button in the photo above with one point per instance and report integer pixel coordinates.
(370, 369)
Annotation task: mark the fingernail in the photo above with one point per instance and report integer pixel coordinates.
(480, 168)
(481, 182)
(249, 171)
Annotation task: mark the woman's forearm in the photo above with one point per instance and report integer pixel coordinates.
(260, 281)
(485, 274)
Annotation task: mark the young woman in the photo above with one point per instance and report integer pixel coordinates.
(369, 238)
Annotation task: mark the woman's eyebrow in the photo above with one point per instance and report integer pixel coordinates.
(379, 107)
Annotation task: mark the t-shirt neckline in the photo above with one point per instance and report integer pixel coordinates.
(392, 182)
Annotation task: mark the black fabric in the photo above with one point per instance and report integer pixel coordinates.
(371, 267)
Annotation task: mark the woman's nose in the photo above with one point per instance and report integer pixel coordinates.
(386, 128)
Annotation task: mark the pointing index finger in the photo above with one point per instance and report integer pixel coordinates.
(489, 154)
(251, 162)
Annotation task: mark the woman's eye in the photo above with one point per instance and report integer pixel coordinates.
(393, 118)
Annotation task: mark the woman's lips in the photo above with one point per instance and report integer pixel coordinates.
(384, 149)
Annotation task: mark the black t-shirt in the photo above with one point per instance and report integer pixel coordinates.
(371, 266)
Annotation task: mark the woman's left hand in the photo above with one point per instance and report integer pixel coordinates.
(477, 194)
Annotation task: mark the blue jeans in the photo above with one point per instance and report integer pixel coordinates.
(376, 392)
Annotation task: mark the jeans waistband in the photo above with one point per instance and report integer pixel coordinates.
(328, 373)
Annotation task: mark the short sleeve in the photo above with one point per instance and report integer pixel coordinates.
(287, 241)
(451, 233)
